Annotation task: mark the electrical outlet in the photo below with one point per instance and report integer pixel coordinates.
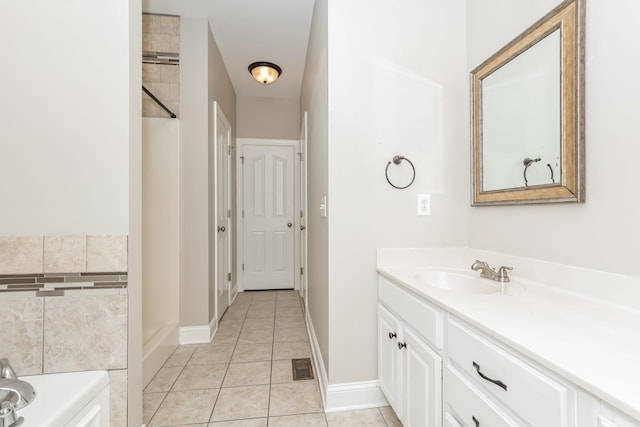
(424, 204)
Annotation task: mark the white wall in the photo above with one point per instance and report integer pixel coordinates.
(268, 118)
(160, 225)
(64, 139)
(395, 87)
(601, 233)
(314, 100)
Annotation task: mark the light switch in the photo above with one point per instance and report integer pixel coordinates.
(424, 204)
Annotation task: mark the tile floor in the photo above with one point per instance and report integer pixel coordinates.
(244, 377)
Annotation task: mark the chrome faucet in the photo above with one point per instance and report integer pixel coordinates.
(489, 273)
(14, 394)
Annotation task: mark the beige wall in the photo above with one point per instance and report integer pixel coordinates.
(220, 90)
(194, 166)
(314, 100)
(601, 233)
(269, 118)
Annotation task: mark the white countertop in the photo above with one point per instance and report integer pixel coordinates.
(590, 341)
(59, 397)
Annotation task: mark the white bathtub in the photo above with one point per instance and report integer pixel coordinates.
(75, 399)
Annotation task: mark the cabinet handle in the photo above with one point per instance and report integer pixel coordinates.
(475, 420)
(402, 345)
(484, 377)
(392, 335)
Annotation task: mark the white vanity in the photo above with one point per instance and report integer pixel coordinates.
(560, 346)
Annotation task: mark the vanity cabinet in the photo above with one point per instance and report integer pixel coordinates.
(409, 363)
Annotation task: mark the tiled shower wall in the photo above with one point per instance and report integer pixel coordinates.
(63, 308)
(161, 34)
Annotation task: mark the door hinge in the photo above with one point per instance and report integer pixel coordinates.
(242, 213)
(229, 213)
(229, 276)
(228, 149)
(242, 159)
(242, 267)
(301, 271)
(301, 214)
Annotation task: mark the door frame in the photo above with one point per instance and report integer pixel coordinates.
(304, 244)
(240, 143)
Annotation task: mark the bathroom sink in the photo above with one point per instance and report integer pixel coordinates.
(456, 280)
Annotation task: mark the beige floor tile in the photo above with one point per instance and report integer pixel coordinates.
(235, 314)
(290, 322)
(179, 357)
(306, 420)
(360, 418)
(258, 323)
(281, 371)
(196, 377)
(252, 353)
(249, 373)
(390, 417)
(211, 355)
(232, 324)
(287, 303)
(290, 334)
(255, 313)
(289, 311)
(226, 336)
(295, 398)
(291, 350)
(243, 298)
(163, 380)
(150, 404)
(256, 336)
(236, 403)
(253, 422)
(185, 407)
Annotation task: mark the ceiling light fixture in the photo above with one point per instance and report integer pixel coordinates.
(265, 72)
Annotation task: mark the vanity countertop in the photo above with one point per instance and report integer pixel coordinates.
(591, 340)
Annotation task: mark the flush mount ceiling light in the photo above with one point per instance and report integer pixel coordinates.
(265, 72)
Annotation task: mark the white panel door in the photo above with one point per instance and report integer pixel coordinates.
(390, 358)
(222, 132)
(269, 218)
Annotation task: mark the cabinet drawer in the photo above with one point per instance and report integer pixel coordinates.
(536, 397)
(425, 319)
(472, 407)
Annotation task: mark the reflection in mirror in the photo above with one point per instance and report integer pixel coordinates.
(528, 115)
(528, 129)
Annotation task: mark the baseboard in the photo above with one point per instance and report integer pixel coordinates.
(157, 350)
(352, 396)
(202, 334)
(342, 397)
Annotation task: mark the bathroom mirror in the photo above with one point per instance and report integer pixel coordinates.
(528, 115)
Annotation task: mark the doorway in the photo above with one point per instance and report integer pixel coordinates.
(268, 223)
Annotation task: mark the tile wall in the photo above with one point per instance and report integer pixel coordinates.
(161, 39)
(63, 307)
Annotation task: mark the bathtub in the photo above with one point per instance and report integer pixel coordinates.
(75, 399)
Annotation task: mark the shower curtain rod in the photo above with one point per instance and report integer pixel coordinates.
(157, 101)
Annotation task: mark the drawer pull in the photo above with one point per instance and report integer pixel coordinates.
(484, 377)
(475, 420)
(392, 335)
(402, 345)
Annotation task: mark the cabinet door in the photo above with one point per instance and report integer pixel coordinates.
(422, 385)
(389, 358)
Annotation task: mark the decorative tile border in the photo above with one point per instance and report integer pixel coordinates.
(62, 281)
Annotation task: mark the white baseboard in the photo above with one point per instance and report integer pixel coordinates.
(157, 350)
(343, 397)
(202, 334)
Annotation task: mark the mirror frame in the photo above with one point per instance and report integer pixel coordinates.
(569, 17)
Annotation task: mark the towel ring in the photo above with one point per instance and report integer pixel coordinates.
(396, 161)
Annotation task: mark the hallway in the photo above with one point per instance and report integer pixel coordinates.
(244, 377)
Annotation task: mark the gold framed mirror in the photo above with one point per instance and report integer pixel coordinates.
(527, 108)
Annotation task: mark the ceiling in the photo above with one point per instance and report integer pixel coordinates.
(247, 31)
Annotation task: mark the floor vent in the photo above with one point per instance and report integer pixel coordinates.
(302, 369)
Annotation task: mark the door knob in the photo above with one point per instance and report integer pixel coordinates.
(223, 229)
(289, 225)
(302, 228)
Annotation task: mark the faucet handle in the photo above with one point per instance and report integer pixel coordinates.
(6, 371)
(503, 276)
